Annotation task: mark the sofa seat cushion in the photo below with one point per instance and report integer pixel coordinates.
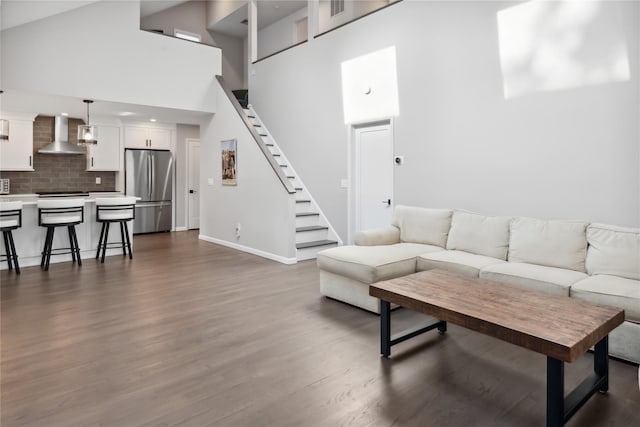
(531, 276)
(561, 244)
(611, 290)
(370, 264)
(479, 234)
(457, 261)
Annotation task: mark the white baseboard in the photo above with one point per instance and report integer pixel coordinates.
(181, 229)
(253, 251)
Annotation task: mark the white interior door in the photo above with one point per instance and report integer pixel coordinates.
(373, 176)
(193, 184)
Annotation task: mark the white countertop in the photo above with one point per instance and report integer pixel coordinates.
(32, 199)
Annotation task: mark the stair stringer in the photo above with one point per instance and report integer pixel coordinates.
(297, 182)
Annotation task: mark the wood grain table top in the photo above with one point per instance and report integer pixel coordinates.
(560, 327)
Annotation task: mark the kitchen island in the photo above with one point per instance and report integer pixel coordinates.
(29, 239)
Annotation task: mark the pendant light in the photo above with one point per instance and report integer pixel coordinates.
(4, 127)
(87, 134)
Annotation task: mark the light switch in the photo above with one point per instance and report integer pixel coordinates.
(344, 183)
(209, 181)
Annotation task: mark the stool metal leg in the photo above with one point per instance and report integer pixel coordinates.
(126, 235)
(49, 248)
(14, 254)
(44, 250)
(106, 239)
(75, 244)
(124, 247)
(71, 243)
(7, 248)
(100, 243)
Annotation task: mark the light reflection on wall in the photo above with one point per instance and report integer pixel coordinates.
(555, 45)
(370, 87)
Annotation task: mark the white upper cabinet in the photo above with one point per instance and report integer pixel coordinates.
(105, 155)
(16, 153)
(147, 137)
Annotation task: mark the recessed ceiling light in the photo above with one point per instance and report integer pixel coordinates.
(64, 114)
(152, 120)
(126, 113)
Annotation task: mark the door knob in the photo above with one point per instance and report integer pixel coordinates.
(191, 191)
(387, 202)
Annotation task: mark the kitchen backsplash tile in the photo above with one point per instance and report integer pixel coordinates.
(57, 172)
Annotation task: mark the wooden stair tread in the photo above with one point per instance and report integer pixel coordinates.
(307, 214)
(263, 134)
(311, 228)
(298, 188)
(283, 166)
(315, 243)
(303, 201)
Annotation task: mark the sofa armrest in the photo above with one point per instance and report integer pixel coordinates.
(378, 236)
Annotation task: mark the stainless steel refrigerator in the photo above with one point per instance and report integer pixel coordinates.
(149, 176)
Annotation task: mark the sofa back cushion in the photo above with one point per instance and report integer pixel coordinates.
(561, 244)
(479, 234)
(613, 250)
(422, 225)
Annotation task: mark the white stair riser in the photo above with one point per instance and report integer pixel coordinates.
(305, 207)
(305, 221)
(311, 236)
(301, 195)
(311, 253)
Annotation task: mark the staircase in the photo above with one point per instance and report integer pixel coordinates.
(313, 231)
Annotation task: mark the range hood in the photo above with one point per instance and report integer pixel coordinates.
(60, 144)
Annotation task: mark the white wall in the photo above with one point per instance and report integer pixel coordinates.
(183, 132)
(217, 10)
(565, 154)
(280, 34)
(98, 51)
(192, 16)
(259, 203)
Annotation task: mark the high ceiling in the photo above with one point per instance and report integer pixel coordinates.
(18, 12)
(269, 11)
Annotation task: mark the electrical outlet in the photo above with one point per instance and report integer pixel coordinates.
(98, 180)
(238, 228)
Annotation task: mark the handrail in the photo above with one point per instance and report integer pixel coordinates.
(254, 133)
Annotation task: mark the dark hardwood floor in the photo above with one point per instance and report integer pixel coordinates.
(193, 334)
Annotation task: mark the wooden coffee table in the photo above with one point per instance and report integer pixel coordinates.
(561, 328)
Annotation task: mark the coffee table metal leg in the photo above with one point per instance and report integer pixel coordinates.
(561, 409)
(385, 328)
(601, 364)
(555, 392)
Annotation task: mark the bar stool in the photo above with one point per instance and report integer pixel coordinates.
(10, 219)
(115, 209)
(60, 213)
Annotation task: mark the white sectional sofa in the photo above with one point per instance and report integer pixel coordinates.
(594, 262)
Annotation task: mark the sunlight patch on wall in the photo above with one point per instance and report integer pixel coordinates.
(555, 45)
(370, 87)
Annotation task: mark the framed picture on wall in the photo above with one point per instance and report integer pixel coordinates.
(229, 161)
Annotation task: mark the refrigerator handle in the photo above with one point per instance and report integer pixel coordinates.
(152, 159)
(148, 176)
